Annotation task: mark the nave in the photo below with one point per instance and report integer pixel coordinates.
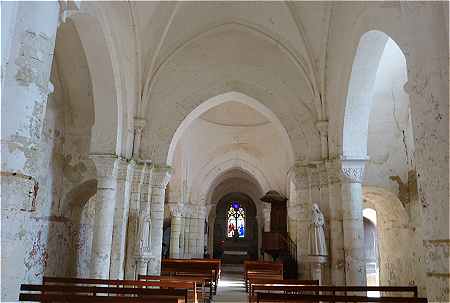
(142, 134)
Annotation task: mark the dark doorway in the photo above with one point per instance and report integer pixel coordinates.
(236, 229)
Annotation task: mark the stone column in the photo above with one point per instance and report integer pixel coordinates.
(187, 229)
(133, 221)
(201, 212)
(175, 230)
(182, 242)
(142, 252)
(124, 179)
(303, 194)
(28, 40)
(107, 168)
(337, 257)
(266, 212)
(352, 173)
(159, 180)
(193, 232)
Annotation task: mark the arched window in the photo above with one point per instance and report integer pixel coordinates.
(235, 220)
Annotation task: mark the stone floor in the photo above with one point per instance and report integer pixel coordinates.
(231, 287)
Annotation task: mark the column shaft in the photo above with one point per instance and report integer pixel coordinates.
(124, 179)
(159, 181)
(104, 215)
(352, 176)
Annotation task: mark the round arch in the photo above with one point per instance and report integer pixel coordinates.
(106, 131)
(358, 102)
(399, 260)
(222, 98)
(213, 173)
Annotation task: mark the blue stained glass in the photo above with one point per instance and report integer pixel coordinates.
(235, 221)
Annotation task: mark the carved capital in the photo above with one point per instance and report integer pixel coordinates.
(139, 124)
(160, 176)
(176, 210)
(300, 176)
(105, 165)
(322, 127)
(352, 169)
(122, 169)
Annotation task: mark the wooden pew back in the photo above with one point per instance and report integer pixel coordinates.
(271, 297)
(62, 293)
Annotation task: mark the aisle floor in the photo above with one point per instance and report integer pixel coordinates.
(231, 286)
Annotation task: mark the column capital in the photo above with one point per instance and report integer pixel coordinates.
(176, 210)
(352, 169)
(160, 175)
(300, 173)
(201, 211)
(139, 123)
(322, 127)
(106, 165)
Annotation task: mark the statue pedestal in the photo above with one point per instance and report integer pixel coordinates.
(316, 266)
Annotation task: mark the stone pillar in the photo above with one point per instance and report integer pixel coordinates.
(303, 194)
(182, 242)
(266, 213)
(175, 230)
(187, 229)
(193, 232)
(201, 212)
(124, 179)
(107, 168)
(28, 40)
(337, 257)
(352, 173)
(142, 252)
(133, 221)
(159, 180)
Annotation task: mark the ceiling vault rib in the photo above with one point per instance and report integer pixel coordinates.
(299, 25)
(152, 70)
(296, 59)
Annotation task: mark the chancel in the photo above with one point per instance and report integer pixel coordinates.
(225, 151)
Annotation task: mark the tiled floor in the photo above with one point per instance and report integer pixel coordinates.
(231, 287)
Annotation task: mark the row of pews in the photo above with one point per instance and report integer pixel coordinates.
(264, 283)
(181, 280)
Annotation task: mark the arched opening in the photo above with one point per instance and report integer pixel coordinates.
(371, 247)
(378, 110)
(235, 229)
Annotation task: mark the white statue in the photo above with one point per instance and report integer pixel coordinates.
(317, 244)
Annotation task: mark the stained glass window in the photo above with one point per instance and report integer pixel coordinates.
(235, 220)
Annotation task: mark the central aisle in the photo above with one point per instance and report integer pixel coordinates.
(231, 286)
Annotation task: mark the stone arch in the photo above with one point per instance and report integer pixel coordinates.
(399, 259)
(297, 60)
(211, 175)
(75, 210)
(108, 110)
(217, 100)
(360, 91)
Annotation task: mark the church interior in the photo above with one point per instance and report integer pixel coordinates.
(225, 151)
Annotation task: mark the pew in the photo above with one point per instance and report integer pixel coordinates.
(209, 270)
(76, 293)
(195, 284)
(262, 270)
(164, 283)
(271, 297)
(261, 284)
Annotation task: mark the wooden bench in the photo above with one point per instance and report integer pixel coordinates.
(262, 270)
(210, 271)
(196, 284)
(76, 293)
(271, 297)
(165, 283)
(260, 284)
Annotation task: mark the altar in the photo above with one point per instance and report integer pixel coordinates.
(235, 256)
